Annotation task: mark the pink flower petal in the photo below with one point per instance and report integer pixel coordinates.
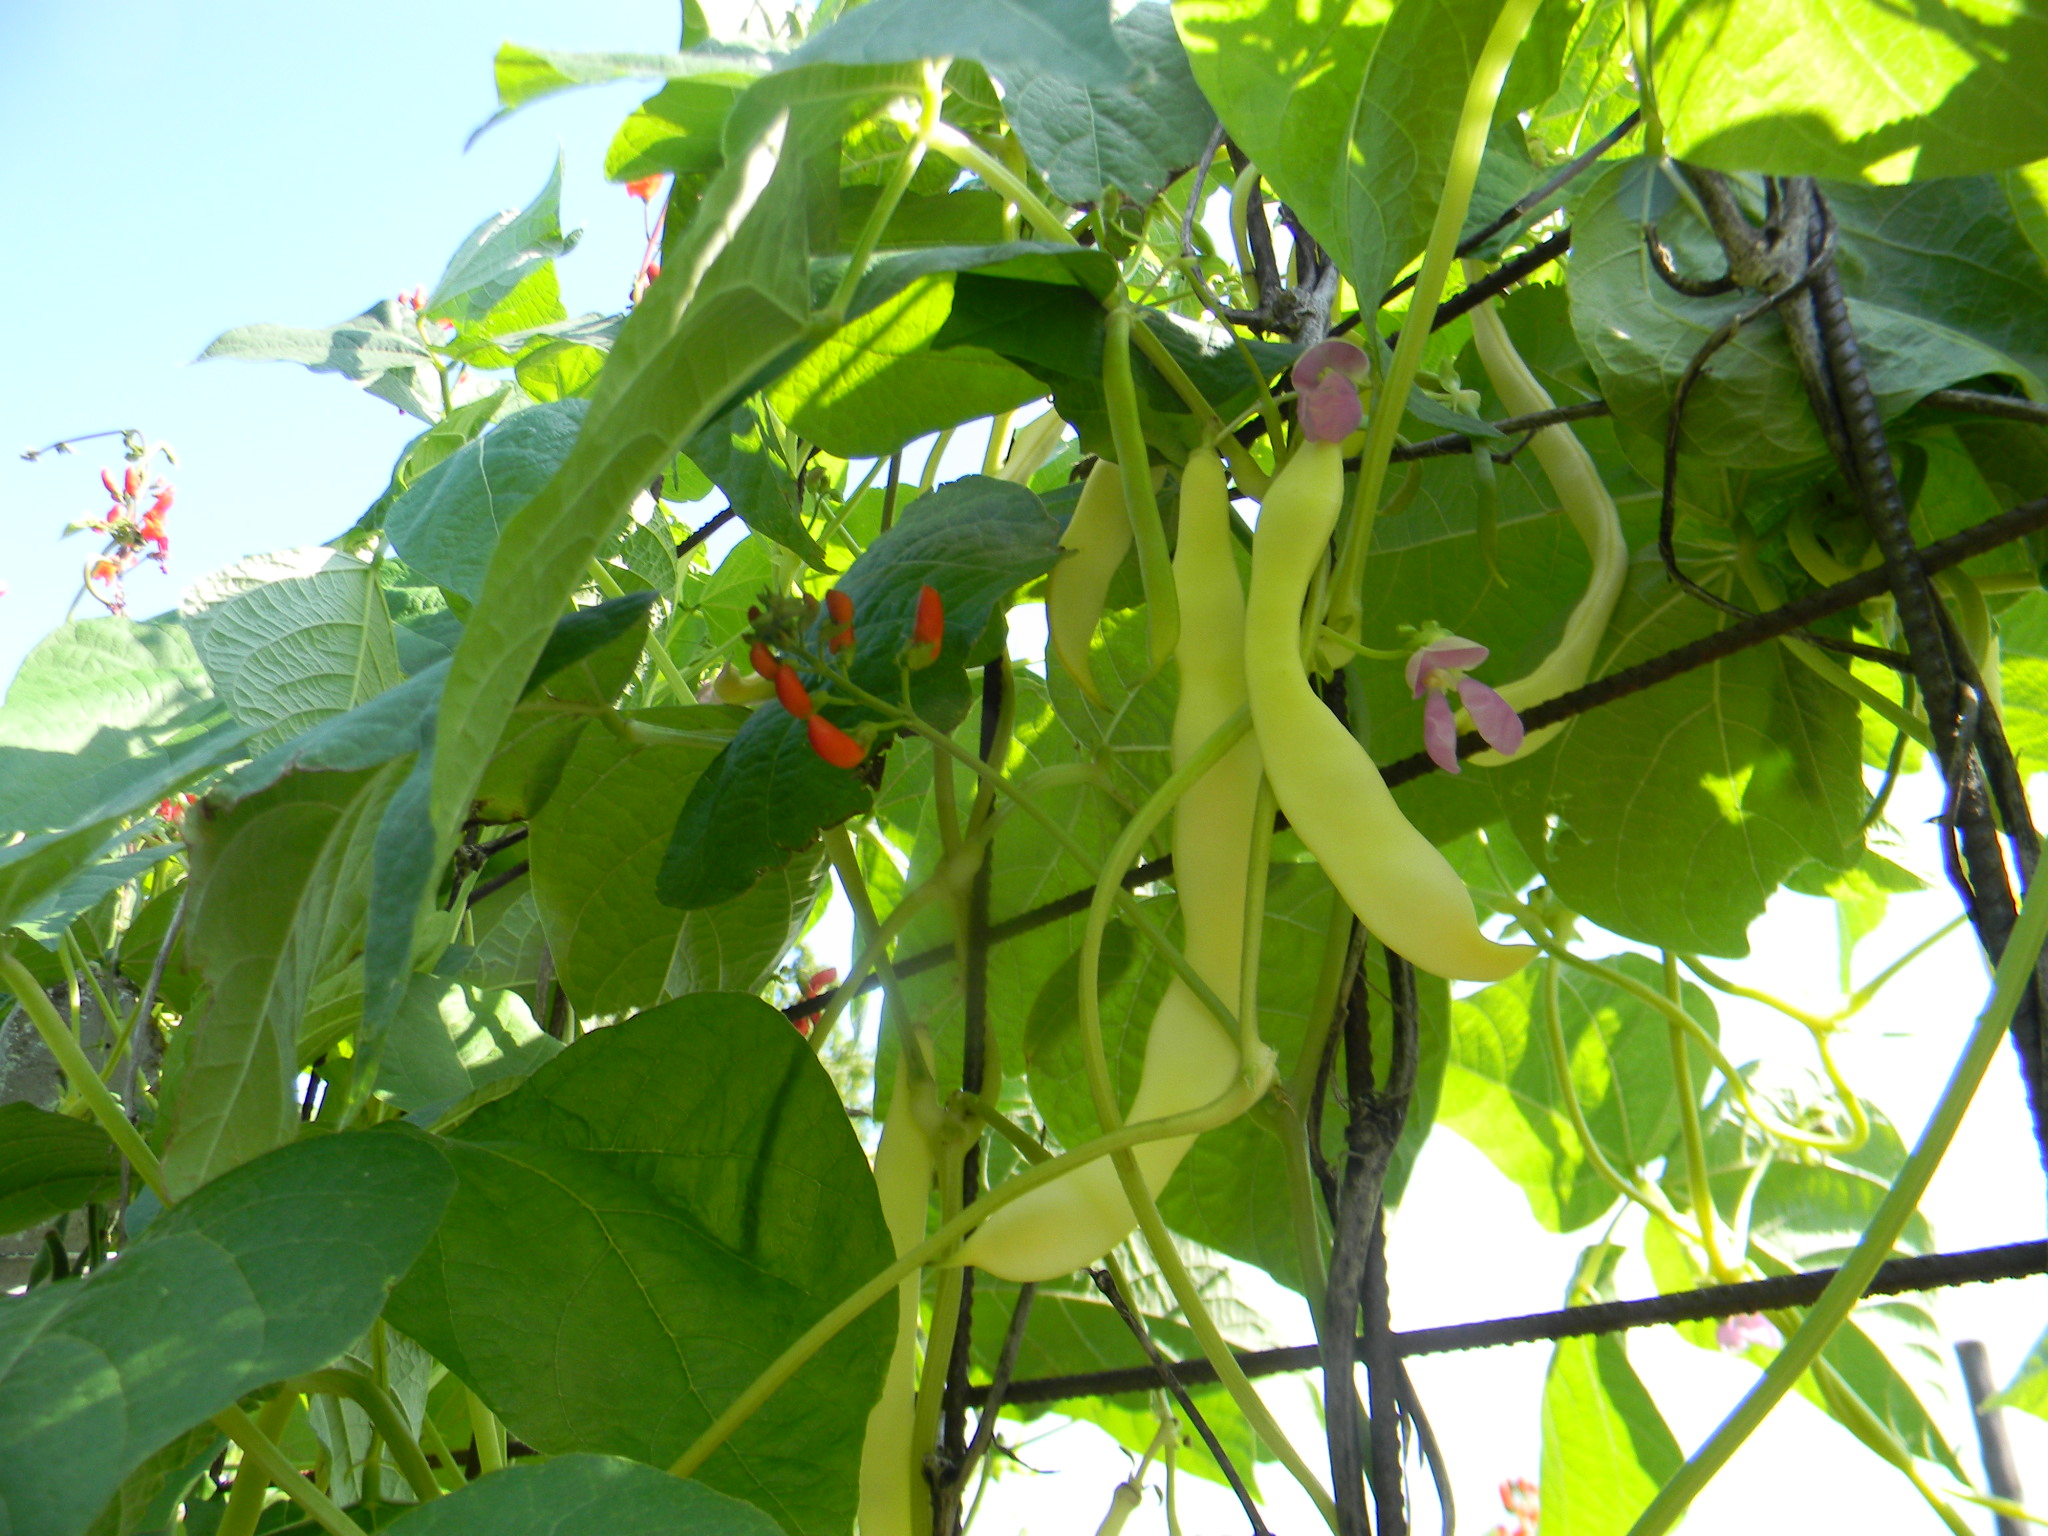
(1440, 732)
(1330, 409)
(1738, 1333)
(1494, 716)
(1452, 651)
(1330, 357)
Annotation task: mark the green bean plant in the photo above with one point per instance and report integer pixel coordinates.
(424, 1091)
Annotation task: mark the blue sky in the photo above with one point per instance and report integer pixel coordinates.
(176, 169)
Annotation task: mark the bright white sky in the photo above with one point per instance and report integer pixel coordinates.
(177, 168)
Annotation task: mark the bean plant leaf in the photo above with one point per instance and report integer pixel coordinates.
(1349, 111)
(1856, 90)
(585, 1495)
(1606, 1448)
(2028, 1389)
(148, 1498)
(768, 795)
(50, 1164)
(268, 1272)
(380, 350)
(448, 1039)
(1072, 38)
(880, 383)
(733, 452)
(597, 848)
(499, 254)
(447, 523)
(1503, 1091)
(293, 639)
(100, 718)
(1750, 411)
(640, 1227)
(526, 75)
(279, 892)
(1671, 816)
(731, 299)
(1135, 137)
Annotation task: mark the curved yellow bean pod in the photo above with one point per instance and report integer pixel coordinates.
(1190, 1060)
(1098, 537)
(1591, 509)
(1388, 873)
(889, 1478)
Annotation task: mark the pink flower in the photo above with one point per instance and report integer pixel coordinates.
(1326, 379)
(1737, 1334)
(1436, 669)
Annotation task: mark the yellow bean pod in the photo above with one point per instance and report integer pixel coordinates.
(889, 1478)
(1190, 1060)
(1098, 536)
(1591, 509)
(1389, 874)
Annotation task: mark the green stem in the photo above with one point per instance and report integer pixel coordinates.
(245, 1501)
(92, 980)
(432, 1442)
(1390, 397)
(2014, 976)
(1689, 1126)
(84, 1080)
(663, 662)
(261, 1449)
(1215, 1348)
(1645, 1194)
(1109, 884)
(1127, 432)
(892, 194)
(1127, 904)
(385, 1417)
(963, 151)
(1219, 1111)
(490, 1439)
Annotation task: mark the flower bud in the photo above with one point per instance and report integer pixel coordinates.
(833, 744)
(928, 632)
(789, 688)
(764, 661)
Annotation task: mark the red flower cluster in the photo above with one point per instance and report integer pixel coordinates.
(1518, 1497)
(134, 533)
(927, 636)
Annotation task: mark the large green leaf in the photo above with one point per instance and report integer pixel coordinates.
(449, 1039)
(498, 255)
(380, 349)
(48, 920)
(448, 522)
(101, 712)
(641, 1226)
(527, 74)
(733, 453)
(270, 1271)
(1054, 330)
(597, 848)
(768, 794)
(678, 129)
(1072, 38)
(731, 299)
(148, 1498)
(2028, 1389)
(293, 639)
(1672, 815)
(1905, 263)
(1502, 1094)
(1135, 137)
(1349, 111)
(50, 1164)
(1606, 1448)
(1853, 89)
(279, 892)
(879, 383)
(584, 1496)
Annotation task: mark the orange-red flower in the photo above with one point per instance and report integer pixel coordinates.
(789, 688)
(928, 630)
(643, 187)
(833, 744)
